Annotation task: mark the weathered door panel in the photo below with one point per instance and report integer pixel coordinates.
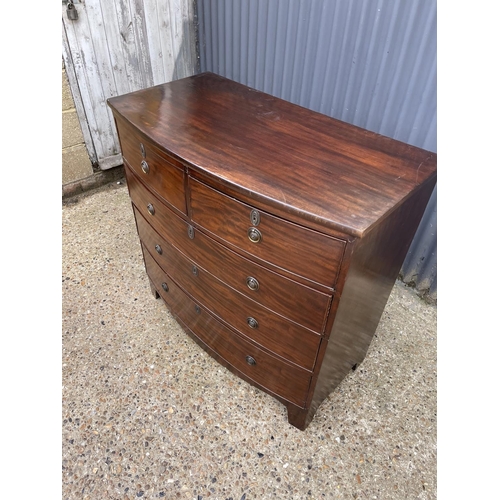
(116, 47)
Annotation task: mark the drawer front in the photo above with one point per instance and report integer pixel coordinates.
(302, 251)
(163, 175)
(286, 297)
(156, 212)
(275, 333)
(277, 376)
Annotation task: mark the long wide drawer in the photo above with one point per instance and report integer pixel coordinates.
(163, 174)
(273, 374)
(271, 331)
(308, 253)
(297, 302)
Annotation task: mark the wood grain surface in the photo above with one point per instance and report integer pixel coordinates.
(163, 174)
(269, 372)
(336, 208)
(282, 154)
(282, 243)
(275, 292)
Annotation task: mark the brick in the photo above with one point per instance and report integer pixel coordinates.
(75, 164)
(71, 131)
(67, 96)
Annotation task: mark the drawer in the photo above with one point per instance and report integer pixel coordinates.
(271, 331)
(156, 212)
(286, 297)
(161, 173)
(276, 376)
(307, 253)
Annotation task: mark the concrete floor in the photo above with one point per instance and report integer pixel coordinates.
(148, 414)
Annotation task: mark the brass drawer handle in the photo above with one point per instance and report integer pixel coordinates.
(158, 249)
(151, 209)
(195, 270)
(254, 235)
(252, 283)
(252, 323)
(143, 150)
(251, 361)
(164, 286)
(190, 232)
(197, 309)
(145, 166)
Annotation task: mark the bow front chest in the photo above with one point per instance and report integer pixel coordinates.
(273, 233)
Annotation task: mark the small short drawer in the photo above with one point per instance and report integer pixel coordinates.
(307, 253)
(265, 370)
(271, 331)
(156, 212)
(297, 302)
(162, 174)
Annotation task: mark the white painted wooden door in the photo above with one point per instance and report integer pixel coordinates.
(118, 46)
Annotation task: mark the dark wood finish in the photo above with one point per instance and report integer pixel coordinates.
(337, 208)
(282, 243)
(293, 159)
(273, 332)
(278, 377)
(164, 220)
(375, 263)
(275, 291)
(163, 174)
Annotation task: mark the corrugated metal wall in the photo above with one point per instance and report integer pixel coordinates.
(367, 62)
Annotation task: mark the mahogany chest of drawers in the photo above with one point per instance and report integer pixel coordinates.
(273, 233)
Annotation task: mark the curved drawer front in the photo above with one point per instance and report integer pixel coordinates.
(297, 302)
(156, 212)
(163, 174)
(279, 242)
(271, 373)
(275, 333)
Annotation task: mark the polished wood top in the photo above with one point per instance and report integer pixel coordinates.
(300, 161)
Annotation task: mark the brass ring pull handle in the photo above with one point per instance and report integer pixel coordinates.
(254, 235)
(252, 323)
(252, 283)
(251, 361)
(145, 166)
(151, 209)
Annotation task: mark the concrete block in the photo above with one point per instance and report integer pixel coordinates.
(67, 96)
(76, 164)
(71, 131)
